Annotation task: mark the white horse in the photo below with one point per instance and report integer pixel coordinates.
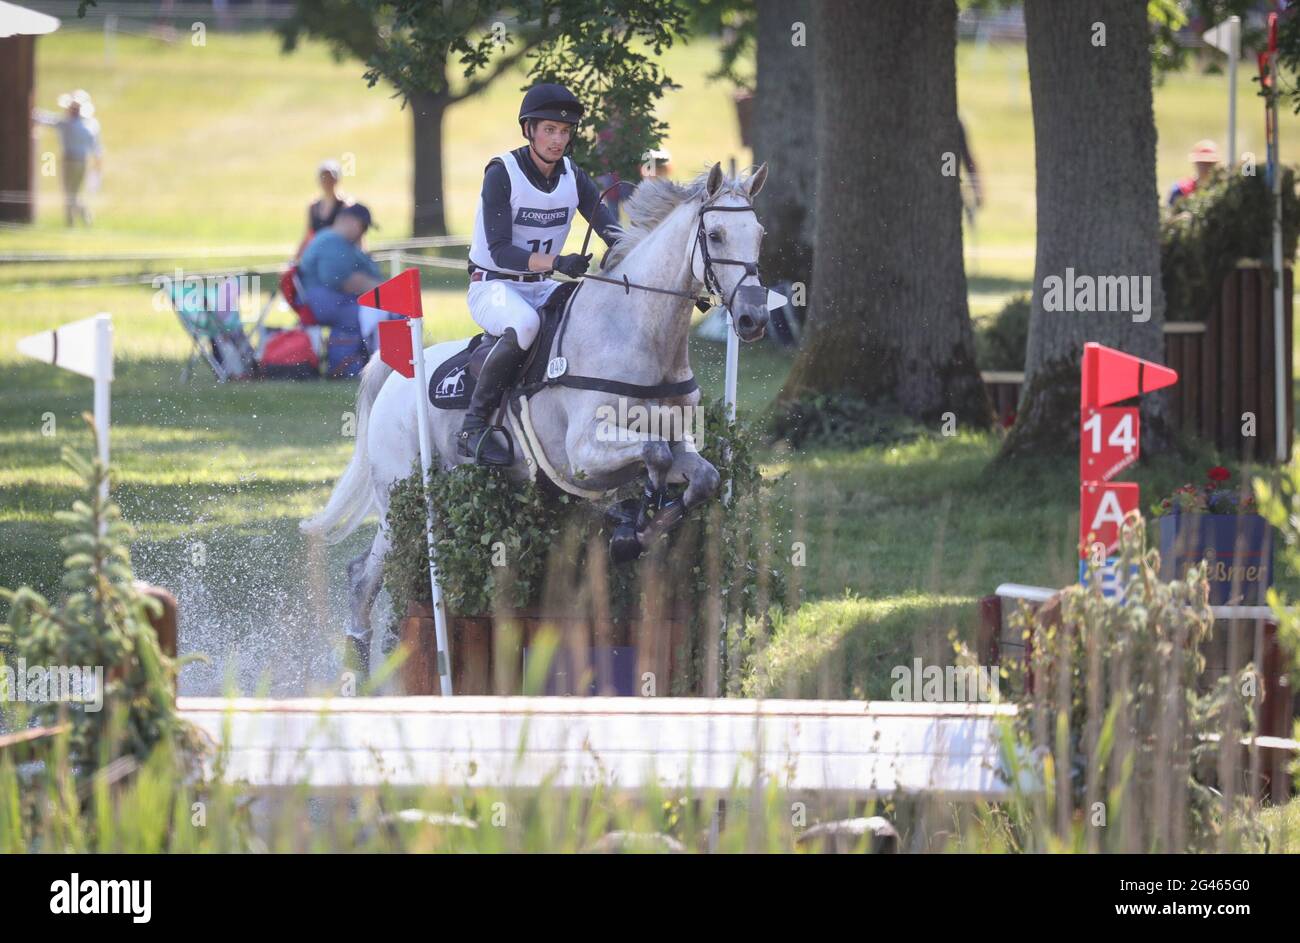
(675, 245)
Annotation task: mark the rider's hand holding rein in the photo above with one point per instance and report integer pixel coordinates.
(572, 264)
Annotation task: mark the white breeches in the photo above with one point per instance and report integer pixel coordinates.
(500, 303)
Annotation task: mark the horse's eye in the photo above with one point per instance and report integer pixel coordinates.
(715, 235)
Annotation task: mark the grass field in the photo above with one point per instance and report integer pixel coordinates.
(216, 147)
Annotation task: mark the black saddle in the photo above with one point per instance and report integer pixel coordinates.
(453, 381)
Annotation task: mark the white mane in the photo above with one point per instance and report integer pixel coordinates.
(653, 201)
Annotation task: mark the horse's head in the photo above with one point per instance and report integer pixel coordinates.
(724, 253)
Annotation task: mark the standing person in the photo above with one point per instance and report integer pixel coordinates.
(323, 210)
(335, 269)
(1205, 158)
(657, 163)
(529, 199)
(976, 200)
(79, 137)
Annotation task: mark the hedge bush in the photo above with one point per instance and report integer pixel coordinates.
(1213, 229)
(544, 539)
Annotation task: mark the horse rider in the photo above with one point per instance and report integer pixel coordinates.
(529, 199)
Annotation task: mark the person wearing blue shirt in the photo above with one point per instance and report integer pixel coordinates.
(334, 270)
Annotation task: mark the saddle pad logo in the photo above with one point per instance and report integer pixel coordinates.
(542, 219)
(453, 384)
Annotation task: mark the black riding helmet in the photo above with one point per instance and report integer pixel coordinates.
(549, 102)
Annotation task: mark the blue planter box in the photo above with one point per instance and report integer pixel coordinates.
(609, 671)
(1237, 547)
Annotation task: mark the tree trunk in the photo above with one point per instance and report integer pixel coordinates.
(427, 110)
(889, 320)
(783, 126)
(1098, 210)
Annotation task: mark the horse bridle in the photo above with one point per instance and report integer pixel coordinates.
(712, 287)
(557, 373)
(711, 284)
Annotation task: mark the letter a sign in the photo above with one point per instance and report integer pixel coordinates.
(1102, 508)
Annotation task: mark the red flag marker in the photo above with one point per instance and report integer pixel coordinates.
(1111, 375)
(395, 347)
(399, 295)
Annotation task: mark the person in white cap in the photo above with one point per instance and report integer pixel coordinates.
(323, 210)
(1205, 158)
(80, 139)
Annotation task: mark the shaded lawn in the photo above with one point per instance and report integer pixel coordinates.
(215, 479)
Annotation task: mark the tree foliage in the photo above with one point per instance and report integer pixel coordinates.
(605, 52)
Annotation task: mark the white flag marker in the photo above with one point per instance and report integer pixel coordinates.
(84, 347)
(1226, 37)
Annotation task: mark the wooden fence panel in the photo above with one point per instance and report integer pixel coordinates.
(1225, 369)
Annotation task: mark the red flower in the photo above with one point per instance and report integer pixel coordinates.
(1219, 473)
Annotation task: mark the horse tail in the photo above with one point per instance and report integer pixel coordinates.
(353, 496)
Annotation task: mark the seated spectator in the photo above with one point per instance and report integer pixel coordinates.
(334, 270)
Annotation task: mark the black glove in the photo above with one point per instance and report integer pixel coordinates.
(572, 264)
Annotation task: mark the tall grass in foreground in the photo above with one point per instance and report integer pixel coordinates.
(1119, 746)
(1138, 750)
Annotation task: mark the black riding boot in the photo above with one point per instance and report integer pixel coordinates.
(476, 440)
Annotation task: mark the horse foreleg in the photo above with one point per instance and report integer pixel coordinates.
(702, 481)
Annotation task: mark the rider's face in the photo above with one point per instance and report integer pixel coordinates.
(551, 138)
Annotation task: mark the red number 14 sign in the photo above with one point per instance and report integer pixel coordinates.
(1108, 442)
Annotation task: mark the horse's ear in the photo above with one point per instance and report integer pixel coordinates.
(715, 181)
(756, 181)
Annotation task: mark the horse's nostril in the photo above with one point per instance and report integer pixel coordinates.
(745, 322)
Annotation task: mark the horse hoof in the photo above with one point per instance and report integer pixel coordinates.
(617, 515)
(624, 546)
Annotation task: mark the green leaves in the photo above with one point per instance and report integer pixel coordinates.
(499, 539)
(102, 624)
(600, 50)
(1119, 696)
(1215, 227)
